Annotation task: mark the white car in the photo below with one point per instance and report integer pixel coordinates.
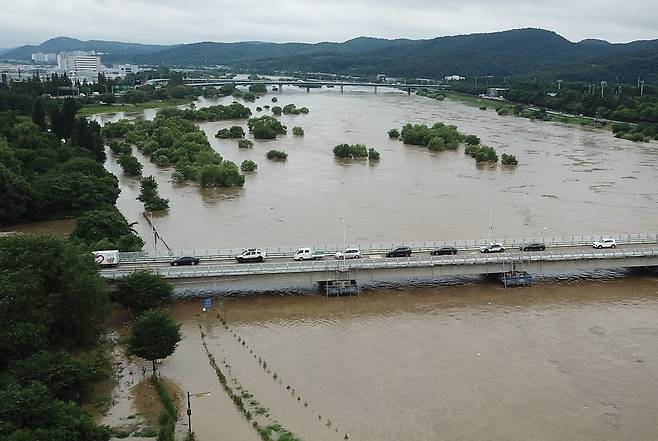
(350, 253)
(605, 243)
(251, 255)
(493, 247)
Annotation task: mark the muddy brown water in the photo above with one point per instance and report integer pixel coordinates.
(570, 179)
(572, 360)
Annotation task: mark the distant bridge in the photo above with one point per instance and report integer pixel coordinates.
(308, 84)
(219, 271)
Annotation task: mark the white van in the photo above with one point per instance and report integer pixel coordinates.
(107, 257)
(308, 254)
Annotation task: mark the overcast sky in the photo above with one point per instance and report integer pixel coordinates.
(186, 21)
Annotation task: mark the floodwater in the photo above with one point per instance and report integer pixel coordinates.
(570, 180)
(568, 360)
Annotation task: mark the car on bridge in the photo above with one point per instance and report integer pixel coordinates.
(442, 251)
(251, 255)
(399, 252)
(350, 253)
(532, 246)
(493, 247)
(184, 260)
(605, 243)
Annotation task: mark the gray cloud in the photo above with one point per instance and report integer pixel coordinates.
(177, 21)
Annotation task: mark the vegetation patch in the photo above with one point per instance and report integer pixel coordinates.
(232, 132)
(481, 153)
(277, 155)
(298, 131)
(248, 166)
(266, 127)
(148, 195)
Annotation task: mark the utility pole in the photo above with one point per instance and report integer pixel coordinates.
(642, 88)
(559, 85)
(603, 84)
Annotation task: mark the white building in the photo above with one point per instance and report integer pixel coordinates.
(454, 78)
(80, 65)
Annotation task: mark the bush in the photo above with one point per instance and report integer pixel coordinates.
(276, 110)
(248, 166)
(106, 229)
(481, 153)
(274, 99)
(436, 144)
(373, 154)
(420, 134)
(471, 140)
(149, 195)
(506, 159)
(249, 96)
(141, 291)
(351, 151)
(266, 127)
(233, 132)
(130, 165)
(245, 143)
(502, 111)
(394, 133)
(277, 155)
(483, 107)
(298, 131)
(225, 174)
(258, 88)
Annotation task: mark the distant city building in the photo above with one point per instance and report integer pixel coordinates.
(125, 69)
(40, 57)
(454, 78)
(80, 65)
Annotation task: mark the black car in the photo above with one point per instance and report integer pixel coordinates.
(185, 260)
(441, 251)
(532, 246)
(399, 252)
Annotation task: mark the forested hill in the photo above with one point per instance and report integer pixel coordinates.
(515, 52)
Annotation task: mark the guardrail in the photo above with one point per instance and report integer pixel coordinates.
(374, 248)
(382, 263)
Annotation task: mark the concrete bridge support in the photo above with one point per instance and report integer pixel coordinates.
(409, 91)
(280, 87)
(341, 88)
(375, 89)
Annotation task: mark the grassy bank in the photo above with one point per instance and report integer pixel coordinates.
(475, 101)
(93, 110)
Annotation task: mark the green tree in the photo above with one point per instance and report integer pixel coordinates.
(248, 166)
(471, 140)
(245, 143)
(50, 296)
(298, 131)
(277, 155)
(149, 195)
(15, 196)
(154, 336)
(130, 165)
(105, 229)
(394, 133)
(39, 114)
(258, 88)
(88, 135)
(62, 118)
(143, 290)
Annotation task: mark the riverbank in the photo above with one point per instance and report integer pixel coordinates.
(114, 108)
(475, 101)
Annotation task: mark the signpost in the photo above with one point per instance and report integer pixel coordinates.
(207, 304)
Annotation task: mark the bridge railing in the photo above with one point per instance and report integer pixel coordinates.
(333, 266)
(380, 248)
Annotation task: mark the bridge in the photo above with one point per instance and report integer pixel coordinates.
(308, 84)
(218, 269)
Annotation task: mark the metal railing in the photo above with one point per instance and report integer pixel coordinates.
(382, 263)
(380, 248)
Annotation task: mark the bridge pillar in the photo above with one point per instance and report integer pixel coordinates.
(409, 91)
(375, 89)
(308, 89)
(341, 88)
(280, 87)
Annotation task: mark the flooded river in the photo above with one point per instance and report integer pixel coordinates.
(570, 180)
(559, 360)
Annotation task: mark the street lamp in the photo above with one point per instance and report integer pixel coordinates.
(344, 238)
(189, 409)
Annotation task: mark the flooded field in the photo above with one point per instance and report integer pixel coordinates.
(570, 360)
(570, 179)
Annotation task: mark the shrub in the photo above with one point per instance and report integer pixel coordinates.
(277, 155)
(506, 159)
(266, 127)
(245, 143)
(483, 107)
(225, 174)
(502, 111)
(276, 110)
(373, 154)
(298, 131)
(259, 109)
(258, 88)
(232, 132)
(394, 133)
(274, 99)
(481, 153)
(249, 96)
(130, 165)
(248, 166)
(303, 110)
(351, 151)
(149, 195)
(471, 140)
(436, 144)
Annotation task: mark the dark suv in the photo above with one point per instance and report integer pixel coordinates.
(185, 260)
(443, 251)
(532, 246)
(399, 252)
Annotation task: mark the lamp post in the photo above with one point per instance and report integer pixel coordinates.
(189, 409)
